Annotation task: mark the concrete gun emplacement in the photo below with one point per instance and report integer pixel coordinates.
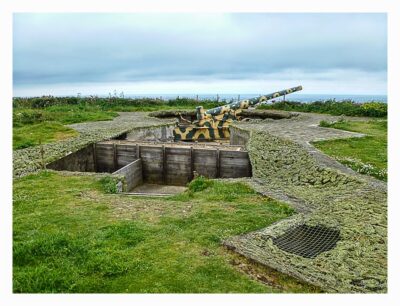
(213, 124)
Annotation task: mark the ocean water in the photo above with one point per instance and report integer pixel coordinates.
(291, 97)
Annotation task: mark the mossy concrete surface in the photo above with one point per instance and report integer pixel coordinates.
(30, 160)
(285, 166)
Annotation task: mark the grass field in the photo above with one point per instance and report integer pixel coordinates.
(44, 132)
(69, 236)
(34, 126)
(367, 155)
(42, 123)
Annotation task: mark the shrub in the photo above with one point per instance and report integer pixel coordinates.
(29, 117)
(333, 107)
(109, 184)
(199, 184)
(111, 102)
(360, 167)
(374, 109)
(324, 123)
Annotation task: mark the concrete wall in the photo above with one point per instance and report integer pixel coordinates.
(133, 174)
(238, 136)
(161, 133)
(81, 161)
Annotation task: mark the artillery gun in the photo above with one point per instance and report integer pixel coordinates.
(214, 123)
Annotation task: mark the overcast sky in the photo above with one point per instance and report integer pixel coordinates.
(66, 54)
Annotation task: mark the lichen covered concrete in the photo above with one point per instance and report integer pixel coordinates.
(286, 167)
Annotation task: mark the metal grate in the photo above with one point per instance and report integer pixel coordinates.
(308, 241)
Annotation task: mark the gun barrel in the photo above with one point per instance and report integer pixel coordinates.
(275, 95)
(246, 103)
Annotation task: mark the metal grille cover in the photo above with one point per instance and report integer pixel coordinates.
(307, 241)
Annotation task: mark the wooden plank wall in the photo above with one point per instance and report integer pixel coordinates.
(105, 157)
(177, 166)
(152, 161)
(205, 162)
(173, 165)
(234, 164)
(133, 174)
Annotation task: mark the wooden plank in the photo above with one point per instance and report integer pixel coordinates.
(218, 163)
(235, 172)
(205, 157)
(234, 154)
(105, 147)
(164, 167)
(174, 166)
(133, 174)
(191, 163)
(115, 157)
(234, 162)
(150, 148)
(107, 154)
(210, 172)
(104, 157)
(94, 158)
(124, 160)
(126, 153)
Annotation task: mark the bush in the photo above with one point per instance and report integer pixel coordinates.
(29, 117)
(109, 184)
(360, 167)
(333, 107)
(199, 184)
(374, 109)
(111, 102)
(324, 123)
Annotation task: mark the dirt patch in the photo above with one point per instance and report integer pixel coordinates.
(157, 189)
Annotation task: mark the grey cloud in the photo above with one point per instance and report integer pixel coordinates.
(51, 48)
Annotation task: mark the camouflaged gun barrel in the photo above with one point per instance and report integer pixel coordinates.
(249, 102)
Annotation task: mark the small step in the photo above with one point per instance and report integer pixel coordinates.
(145, 194)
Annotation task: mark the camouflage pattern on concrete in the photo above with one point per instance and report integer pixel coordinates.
(325, 193)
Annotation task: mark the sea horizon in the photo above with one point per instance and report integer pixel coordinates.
(295, 97)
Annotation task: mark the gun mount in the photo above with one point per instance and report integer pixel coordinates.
(214, 123)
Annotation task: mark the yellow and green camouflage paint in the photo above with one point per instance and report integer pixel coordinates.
(214, 123)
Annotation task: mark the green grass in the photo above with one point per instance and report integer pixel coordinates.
(32, 126)
(69, 236)
(65, 114)
(44, 132)
(367, 155)
(41, 119)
